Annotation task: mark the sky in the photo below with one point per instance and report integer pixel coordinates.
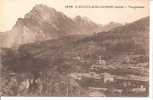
(11, 10)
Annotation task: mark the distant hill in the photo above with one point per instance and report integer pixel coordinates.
(132, 37)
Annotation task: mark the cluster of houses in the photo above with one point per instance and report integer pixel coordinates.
(114, 85)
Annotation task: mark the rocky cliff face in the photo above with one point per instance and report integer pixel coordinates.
(41, 23)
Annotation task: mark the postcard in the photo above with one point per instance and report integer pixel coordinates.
(74, 48)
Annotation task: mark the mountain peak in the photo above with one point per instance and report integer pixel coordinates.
(41, 12)
(83, 19)
(39, 7)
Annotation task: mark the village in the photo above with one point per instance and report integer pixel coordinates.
(100, 81)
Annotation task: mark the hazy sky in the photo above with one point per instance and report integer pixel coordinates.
(10, 10)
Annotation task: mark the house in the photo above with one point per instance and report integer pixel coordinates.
(127, 84)
(100, 63)
(77, 58)
(139, 89)
(99, 89)
(108, 78)
(76, 76)
(80, 59)
(117, 92)
(94, 75)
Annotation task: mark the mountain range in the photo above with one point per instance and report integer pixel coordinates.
(128, 40)
(45, 23)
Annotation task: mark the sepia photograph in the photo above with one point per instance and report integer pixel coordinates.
(74, 48)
